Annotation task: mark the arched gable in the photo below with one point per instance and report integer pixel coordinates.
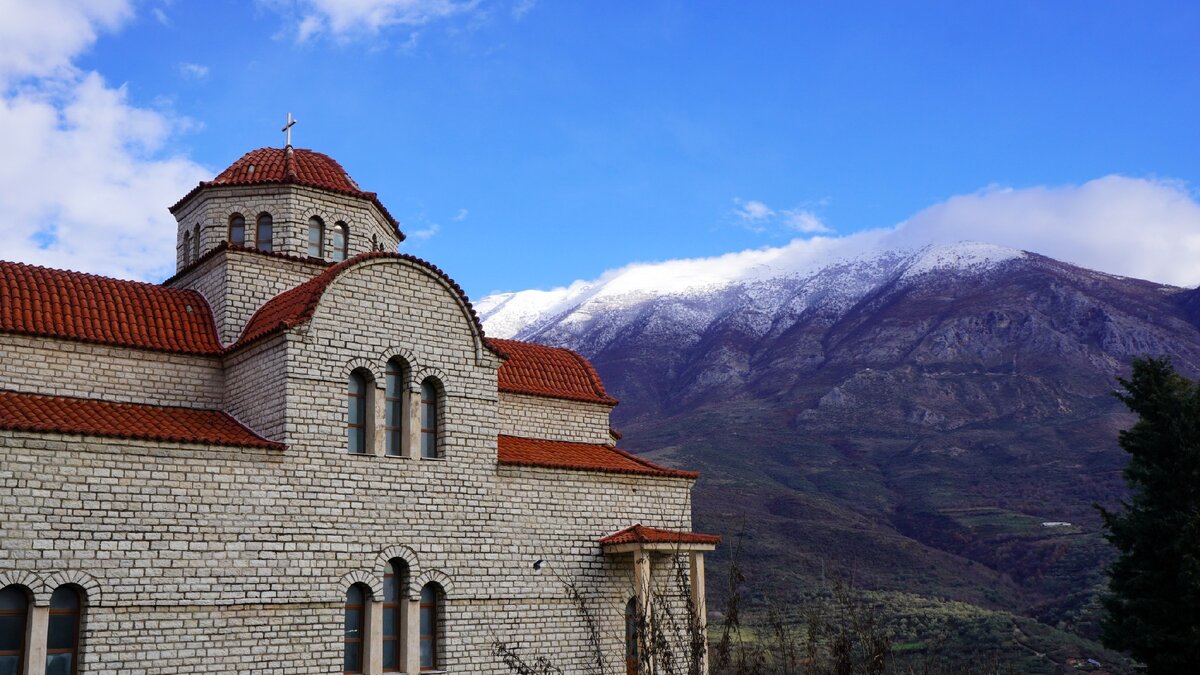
(297, 306)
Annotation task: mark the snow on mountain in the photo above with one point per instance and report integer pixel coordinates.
(822, 274)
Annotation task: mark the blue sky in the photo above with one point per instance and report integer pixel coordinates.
(528, 144)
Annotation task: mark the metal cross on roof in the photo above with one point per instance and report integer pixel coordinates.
(287, 129)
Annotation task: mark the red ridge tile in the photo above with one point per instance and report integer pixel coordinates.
(67, 415)
(516, 451)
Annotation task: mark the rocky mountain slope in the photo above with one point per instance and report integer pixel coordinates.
(937, 421)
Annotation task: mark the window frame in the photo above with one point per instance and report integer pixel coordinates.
(237, 241)
(77, 613)
(398, 572)
(395, 407)
(258, 233)
(358, 426)
(342, 252)
(187, 247)
(434, 407)
(196, 242)
(316, 222)
(436, 607)
(361, 640)
(20, 652)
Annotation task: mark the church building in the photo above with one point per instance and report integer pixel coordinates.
(301, 454)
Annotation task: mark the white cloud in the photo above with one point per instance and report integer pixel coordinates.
(85, 182)
(345, 18)
(753, 211)
(193, 71)
(804, 221)
(1135, 227)
(461, 215)
(425, 232)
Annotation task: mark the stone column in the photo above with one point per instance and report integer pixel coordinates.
(373, 637)
(413, 437)
(376, 404)
(407, 443)
(696, 582)
(35, 640)
(412, 636)
(641, 583)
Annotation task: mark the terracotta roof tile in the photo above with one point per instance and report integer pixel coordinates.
(58, 303)
(290, 166)
(640, 534)
(516, 451)
(61, 414)
(549, 371)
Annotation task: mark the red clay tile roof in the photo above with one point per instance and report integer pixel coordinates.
(295, 306)
(640, 534)
(291, 166)
(61, 414)
(72, 305)
(516, 451)
(549, 371)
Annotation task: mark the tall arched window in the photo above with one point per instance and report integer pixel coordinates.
(356, 628)
(341, 241)
(356, 413)
(62, 636)
(631, 637)
(395, 593)
(429, 418)
(432, 601)
(316, 237)
(262, 235)
(196, 243)
(14, 609)
(237, 230)
(187, 248)
(395, 413)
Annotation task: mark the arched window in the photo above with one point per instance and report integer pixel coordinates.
(356, 628)
(62, 636)
(631, 637)
(196, 243)
(14, 608)
(341, 240)
(356, 413)
(395, 594)
(262, 236)
(316, 237)
(187, 248)
(237, 230)
(429, 418)
(395, 412)
(432, 601)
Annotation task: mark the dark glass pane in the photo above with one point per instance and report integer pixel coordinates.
(398, 568)
(389, 621)
(64, 597)
(353, 662)
(62, 631)
(391, 654)
(354, 441)
(391, 587)
(264, 233)
(354, 623)
(12, 598)
(394, 380)
(8, 665)
(58, 664)
(393, 443)
(355, 404)
(428, 444)
(237, 230)
(12, 633)
(354, 595)
(358, 384)
(427, 654)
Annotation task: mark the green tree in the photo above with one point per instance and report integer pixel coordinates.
(1153, 607)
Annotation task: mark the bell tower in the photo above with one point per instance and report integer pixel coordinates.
(272, 220)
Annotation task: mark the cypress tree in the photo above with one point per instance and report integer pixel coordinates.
(1153, 604)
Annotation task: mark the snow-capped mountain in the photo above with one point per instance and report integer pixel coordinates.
(909, 414)
(802, 276)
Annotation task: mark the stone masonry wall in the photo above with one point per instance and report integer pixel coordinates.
(553, 419)
(38, 365)
(215, 559)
